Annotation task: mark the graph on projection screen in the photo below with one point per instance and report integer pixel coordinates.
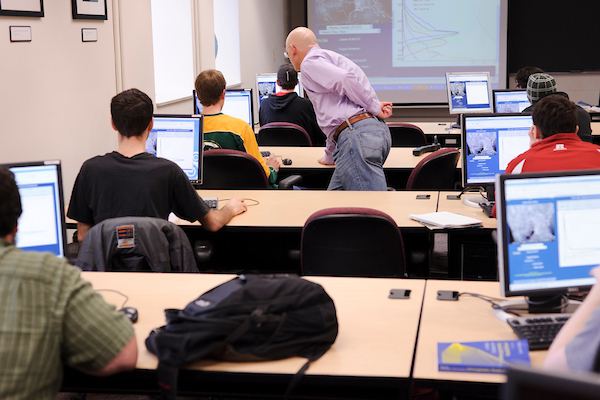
(406, 46)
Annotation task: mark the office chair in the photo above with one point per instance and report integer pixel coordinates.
(435, 172)
(283, 134)
(136, 244)
(406, 135)
(232, 169)
(352, 241)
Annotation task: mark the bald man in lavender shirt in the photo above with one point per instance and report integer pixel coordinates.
(348, 111)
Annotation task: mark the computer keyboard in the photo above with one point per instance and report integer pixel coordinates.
(265, 153)
(487, 207)
(212, 202)
(539, 330)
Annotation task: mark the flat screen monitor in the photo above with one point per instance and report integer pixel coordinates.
(532, 384)
(547, 232)
(469, 92)
(239, 104)
(490, 142)
(197, 105)
(178, 138)
(266, 84)
(41, 226)
(510, 100)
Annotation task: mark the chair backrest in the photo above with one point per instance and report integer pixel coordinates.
(283, 134)
(407, 135)
(136, 244)
(232, 169)
(352, 241)
(436, 171)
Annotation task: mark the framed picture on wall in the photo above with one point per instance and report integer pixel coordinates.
(89, 9)
(22, 8)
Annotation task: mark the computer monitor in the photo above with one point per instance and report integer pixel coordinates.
(197, 105)
(547, 234)
(41, 226)
(489, 143)
(266, 84)
(469, 92)
(510, 100)
(179, 138)
(239, 104)
(534, 384)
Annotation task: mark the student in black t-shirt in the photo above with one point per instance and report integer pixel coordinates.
(131, 182)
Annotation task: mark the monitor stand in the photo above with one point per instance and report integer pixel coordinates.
(474, 201)
(536, 305)
(457, 124)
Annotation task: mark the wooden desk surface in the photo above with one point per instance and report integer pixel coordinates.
(291, 208)
(457, 206)
(595, 128)
(468, 319)
(306, 157)
(376, 334)
(436, 128)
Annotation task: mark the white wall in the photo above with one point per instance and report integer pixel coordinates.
(55, 91)
(579, 86)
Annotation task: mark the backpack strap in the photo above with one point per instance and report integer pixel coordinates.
(296, 379)
(167, 380)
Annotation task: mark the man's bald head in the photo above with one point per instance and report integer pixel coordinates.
(297, 44)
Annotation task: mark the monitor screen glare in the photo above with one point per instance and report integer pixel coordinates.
(238, 104)
(469, 92)
(510, 101)
(178, 138)
(548, 227)
(41, 225)
(490, 143)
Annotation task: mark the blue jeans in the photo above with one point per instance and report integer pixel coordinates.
(359, 155)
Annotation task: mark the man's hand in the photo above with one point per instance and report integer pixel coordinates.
(322, 161)
(386, 110)
(236, 205)
(272, 162)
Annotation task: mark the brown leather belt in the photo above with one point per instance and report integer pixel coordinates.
(352, 120)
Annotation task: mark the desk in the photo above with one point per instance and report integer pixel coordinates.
(472, 252)
(371, 357)
(267, 237)
(446, 136)
(397, 167)
(468, 319)
(291, 208)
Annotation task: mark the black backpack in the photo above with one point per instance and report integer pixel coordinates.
(249, 318)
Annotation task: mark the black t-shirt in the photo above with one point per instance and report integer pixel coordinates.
(113, 185)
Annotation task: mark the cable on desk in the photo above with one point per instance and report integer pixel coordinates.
(115, 291)
(492, 301)
(256, 202)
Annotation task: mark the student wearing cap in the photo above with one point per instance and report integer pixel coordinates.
(540, 85)
(348, 111)
(287, 106)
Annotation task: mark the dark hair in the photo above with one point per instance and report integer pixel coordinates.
(131, 112)
(209, 87)
(287, 76)
(523, 75)
(555, 114)
(10, 202)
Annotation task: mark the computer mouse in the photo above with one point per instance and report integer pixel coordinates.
(132, 313)
(287, 161)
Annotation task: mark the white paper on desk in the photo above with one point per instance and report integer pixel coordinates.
(445, 219)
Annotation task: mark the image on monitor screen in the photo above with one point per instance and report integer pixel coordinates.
(197, 105)
(266, 84)
(41, 226)
(510, 100)
(490, 142)
(178, 138)
(239, 104)
(469, 92)
(547, 232)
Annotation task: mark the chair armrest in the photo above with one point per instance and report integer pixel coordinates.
(289, 182)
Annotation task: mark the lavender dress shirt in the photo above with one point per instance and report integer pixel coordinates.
(338, 89)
